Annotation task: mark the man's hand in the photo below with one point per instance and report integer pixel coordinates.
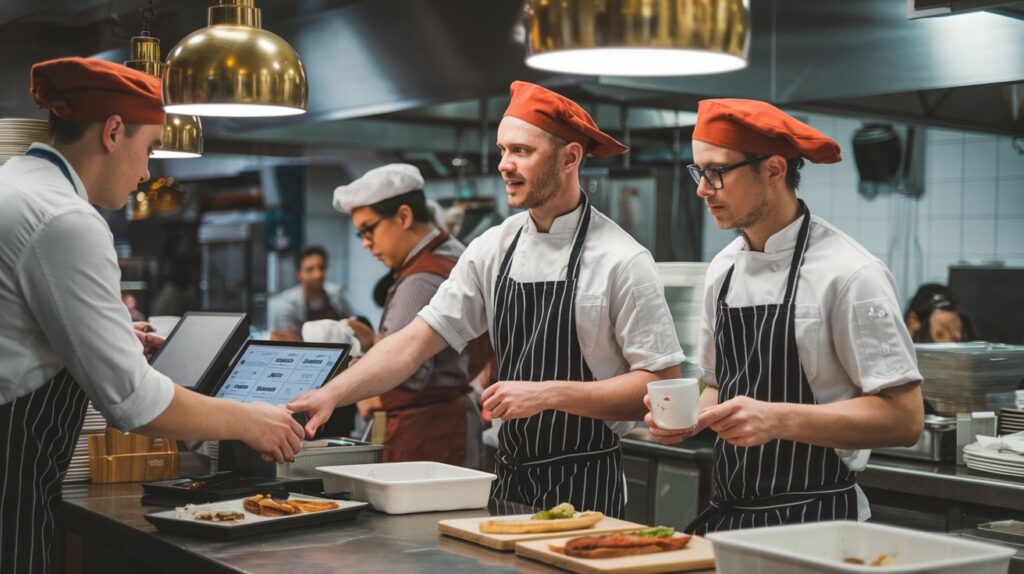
(743, 421)
(508, 400)
(367, 337)
(318, 405)
(151, 342)
(272, 431)
(666, 436)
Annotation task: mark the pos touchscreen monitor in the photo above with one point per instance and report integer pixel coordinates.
(276, 372)
(200, 348)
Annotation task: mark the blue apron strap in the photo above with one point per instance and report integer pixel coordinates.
(54, 159)
(798, 254)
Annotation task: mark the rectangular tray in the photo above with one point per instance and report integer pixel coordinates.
(698, 555)
(222, 486)
(177, 522)
(414, 486)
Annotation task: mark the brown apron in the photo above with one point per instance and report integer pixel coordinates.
(319, 313)
(429, 424)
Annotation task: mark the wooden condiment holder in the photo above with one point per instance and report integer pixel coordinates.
(115, 456)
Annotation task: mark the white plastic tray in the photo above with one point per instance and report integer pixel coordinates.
(406, 487)
(821, 547)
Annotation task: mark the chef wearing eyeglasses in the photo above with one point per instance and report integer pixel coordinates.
(802, 346)
(429, 416)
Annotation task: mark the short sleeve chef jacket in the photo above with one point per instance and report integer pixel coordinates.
(849, 330)
(622, 317)
(60, 303)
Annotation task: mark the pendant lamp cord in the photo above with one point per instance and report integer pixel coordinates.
(147, 11)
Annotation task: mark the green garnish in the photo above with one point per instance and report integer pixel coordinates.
(564, 510)
(657, 532)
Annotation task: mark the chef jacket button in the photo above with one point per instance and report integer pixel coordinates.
(775, 266)
(885, 349)
(883, 314)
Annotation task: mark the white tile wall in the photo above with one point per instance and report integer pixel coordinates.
(1011, 197)
(972, 209)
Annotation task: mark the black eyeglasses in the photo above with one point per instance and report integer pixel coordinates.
(366, 233)
(714, 174)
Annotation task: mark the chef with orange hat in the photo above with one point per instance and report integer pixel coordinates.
(65, 335)
(802, 346)
(576, 314)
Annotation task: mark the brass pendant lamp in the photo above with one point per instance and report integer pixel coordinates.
(234, 68)
(183, 135)
(637, 37)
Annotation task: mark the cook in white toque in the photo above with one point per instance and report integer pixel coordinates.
(376, 185)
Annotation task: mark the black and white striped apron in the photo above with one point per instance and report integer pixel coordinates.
(551, 457)
(38, 434)
(780, 482)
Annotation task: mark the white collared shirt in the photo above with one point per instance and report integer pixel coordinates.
(849, 330)
(286, 311)
(623, 321)
(60, 298)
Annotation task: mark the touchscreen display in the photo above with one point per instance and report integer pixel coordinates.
(277, 374)
(196, 343)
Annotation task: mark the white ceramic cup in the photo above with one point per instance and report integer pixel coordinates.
(674, 403)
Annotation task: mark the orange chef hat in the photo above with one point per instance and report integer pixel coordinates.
(761, 128)
(89, 90)
(562, 117)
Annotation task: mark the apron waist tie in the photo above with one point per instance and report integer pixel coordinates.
(507, 461)
(782, 499)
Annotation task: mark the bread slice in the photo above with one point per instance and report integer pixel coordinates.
(611, 552)
(530, 526)
(620, 544)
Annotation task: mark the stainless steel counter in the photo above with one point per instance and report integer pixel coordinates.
(958, 496)
(110, 517)
(943, 480)
(939, 480)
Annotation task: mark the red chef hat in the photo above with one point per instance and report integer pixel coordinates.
(89, 90)
(562, 117)
(761, 128)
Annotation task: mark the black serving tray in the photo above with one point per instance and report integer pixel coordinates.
(179, 522)
(224, 486)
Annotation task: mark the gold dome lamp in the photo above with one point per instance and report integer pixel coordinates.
(637, 37)
(234, 68)
(182, 136)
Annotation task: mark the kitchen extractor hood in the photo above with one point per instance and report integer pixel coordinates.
(372, 57)
(931, 8)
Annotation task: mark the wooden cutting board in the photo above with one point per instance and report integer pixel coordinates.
(696, 556)
(469, 529)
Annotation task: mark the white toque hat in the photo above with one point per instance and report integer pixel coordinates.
(376, 185)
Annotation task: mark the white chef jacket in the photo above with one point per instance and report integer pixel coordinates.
(849, 331)
(60, 302)
(623, 321)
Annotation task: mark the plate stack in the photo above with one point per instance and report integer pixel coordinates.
(78, 470)
(1011, 421)
(969, 377)
(1005, 462)
(17, 134)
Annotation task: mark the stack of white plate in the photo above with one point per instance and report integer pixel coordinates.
(1004, 462)
(16, 135)
(1011, 421)
(78, 470)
